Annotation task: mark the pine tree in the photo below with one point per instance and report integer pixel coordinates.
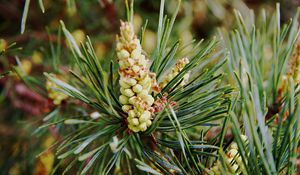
(140, 123)
(170, 111)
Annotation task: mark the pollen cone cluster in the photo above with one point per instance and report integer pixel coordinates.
(175, 71)
(294, 65)
(136, 80)
(56, 96)
(233, 158)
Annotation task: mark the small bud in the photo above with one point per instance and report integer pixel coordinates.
(143, 93)
(130, 81)
(122, 64)
(135, 68)
(131, 114)
(132, 100)
(145, 116)
(136, 41)
(230, 159)
(123, 99)
(123, 84)
(130, 61)
(122, 90)
(235, 167)
(133, 128)
(119, 46)
(142, 74)
(143, 126)
(233, 146)
(143, 119)
(95, 115)
(145, 82)
(142, 60)
(123, 54)
(114, 144)
(150, 100)
(126, 108)
(137, 88)
(148, 122)
(232, 153)
(136, 54)
(135, 121)
(244, 138)
(239, 160)
(128, 92)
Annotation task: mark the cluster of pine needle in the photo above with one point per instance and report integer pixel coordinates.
(228, 104)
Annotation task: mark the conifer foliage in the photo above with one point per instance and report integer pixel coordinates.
(147, 122)
(170, 111)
